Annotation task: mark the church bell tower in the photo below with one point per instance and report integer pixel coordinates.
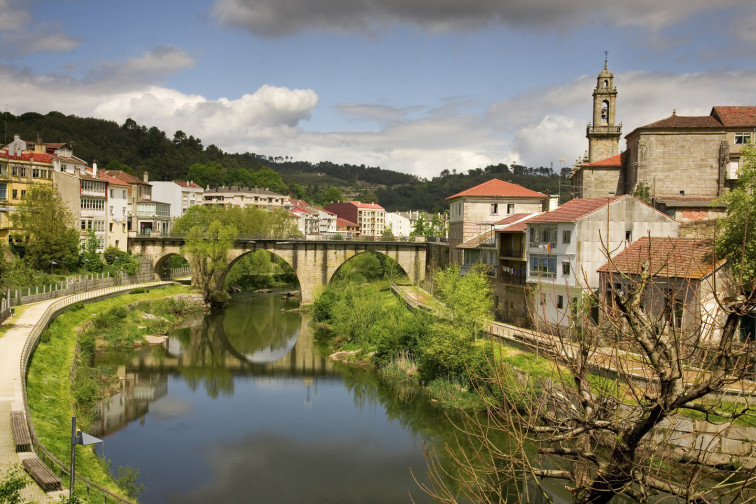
(603, 135)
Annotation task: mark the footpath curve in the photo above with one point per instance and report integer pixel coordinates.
(19, 339)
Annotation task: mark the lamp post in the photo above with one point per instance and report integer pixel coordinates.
(82, 439)
(52, 263)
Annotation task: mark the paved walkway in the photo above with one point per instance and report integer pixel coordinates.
(12, 344)
(624, 363)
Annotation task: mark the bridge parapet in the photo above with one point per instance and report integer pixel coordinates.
(314, 261)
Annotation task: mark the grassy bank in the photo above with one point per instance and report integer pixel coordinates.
(49, 386)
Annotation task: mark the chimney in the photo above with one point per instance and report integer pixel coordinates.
(94, 168)
(145, 176)
(553, 202)
(39, 147)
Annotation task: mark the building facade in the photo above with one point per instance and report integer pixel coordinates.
(370, 217)
(478, 209)
(180, 195)
(240, 196)
(567, 246)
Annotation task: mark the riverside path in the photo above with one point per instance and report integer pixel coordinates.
(16, 330)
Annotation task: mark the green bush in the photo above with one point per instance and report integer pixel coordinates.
(138, 290)
(76, 306)
(45, 336)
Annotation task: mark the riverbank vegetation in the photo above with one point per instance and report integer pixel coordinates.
(62, 380)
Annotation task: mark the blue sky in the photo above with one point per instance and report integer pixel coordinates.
(417, 86)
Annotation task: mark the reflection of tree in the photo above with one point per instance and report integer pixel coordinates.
(204, 357)
(260, 325)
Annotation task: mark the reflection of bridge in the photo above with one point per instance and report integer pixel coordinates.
(314, 262)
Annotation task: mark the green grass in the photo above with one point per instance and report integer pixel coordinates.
(49, 388)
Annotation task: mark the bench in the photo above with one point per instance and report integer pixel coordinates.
(47, 479)
(20, 431)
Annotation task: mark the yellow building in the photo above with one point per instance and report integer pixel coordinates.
(18, 171)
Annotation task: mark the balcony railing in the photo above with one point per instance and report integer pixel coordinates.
(542, 274)
(511, 279)
(511, 252)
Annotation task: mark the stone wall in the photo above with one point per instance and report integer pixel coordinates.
(671, 162)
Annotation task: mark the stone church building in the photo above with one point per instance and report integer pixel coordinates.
(680, 163)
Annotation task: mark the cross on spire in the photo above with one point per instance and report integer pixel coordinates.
(606, 57)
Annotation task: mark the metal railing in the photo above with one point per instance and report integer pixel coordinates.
(31, 344)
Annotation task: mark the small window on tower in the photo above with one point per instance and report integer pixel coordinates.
(606, 84)
(604, 111)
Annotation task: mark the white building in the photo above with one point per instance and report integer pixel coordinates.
(566, 247)
(180, 195)
(400, 226)
(119, 212)
(240, 196)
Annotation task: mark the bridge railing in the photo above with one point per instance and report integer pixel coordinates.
(323, 237)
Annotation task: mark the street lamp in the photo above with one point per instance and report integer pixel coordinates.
(52, 263)
(82, 439)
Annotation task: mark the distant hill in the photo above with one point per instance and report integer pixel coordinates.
(136, 148)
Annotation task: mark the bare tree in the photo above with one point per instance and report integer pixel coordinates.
(606, 423)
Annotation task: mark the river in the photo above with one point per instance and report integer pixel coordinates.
(240, 406)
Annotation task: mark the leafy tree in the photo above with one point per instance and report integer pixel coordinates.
(467, 298)
(332, 195)
(12, 481)
(207, 249)
(91, 260)
(47, 225)
(736, 240)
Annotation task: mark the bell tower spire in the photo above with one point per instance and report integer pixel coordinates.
(603, 134)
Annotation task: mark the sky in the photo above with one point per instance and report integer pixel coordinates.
(417, 86)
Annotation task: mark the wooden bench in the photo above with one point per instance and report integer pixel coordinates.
(47, 479)
(20, 431)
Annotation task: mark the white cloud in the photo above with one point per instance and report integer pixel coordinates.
(535, 128)
(276, 18)
(21, 34)
(151, 66)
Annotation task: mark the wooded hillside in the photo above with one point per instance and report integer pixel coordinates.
(135, 148)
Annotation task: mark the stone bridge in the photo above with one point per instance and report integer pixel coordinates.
(314, 261)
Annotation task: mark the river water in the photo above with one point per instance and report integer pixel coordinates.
(240, 406)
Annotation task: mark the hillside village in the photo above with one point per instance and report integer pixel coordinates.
(541, 255)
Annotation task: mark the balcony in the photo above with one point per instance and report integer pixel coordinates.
(517, 253)
(506, 278)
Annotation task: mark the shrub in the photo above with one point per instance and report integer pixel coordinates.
(76, 306)
(138, 290)
(45, 336)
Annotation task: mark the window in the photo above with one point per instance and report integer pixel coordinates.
(83, 225)
(112, 210)
(3, 191)
(565, 267)
(494, 209)
(110, 227)
(742, 138)
(629, 236)
(23, 193)
(15, 193)
(543, 236)
(542, 266)
(566, 236)
(111, 193)
(124, 194)
(560, 302)
(510, 208)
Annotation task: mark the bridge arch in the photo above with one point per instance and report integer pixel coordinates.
(163, 267)
(382, 257)
(314, 262)
(236, 262)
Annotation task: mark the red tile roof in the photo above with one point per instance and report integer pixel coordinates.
(499, 188)
(345, 223)
(735, 117)
(29, 156)
(573, 210)
(513, 218)
(618, 160)
(187, 184)
(374, 206)
(122, 175)
(676, 121)
(666, 257)
(520, 224)
(112, 180)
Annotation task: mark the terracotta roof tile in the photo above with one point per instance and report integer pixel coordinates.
(184, 183)
(122, 175)
(676, 121)
(735, 117)
(28, 156)
(374, 206)
(618, 160)
(513, 218)
(573, 210)
(666, 257)
(499, 188)
(344, 223)
(112, 180)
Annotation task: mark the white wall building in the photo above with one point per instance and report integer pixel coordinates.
(119, 212)
(400, 226)
(566, 247)
(180, 195)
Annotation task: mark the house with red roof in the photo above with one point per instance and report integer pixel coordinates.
(370, 217)
(686, 284)
(145, 215)
(477, 209)
(566, 247)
